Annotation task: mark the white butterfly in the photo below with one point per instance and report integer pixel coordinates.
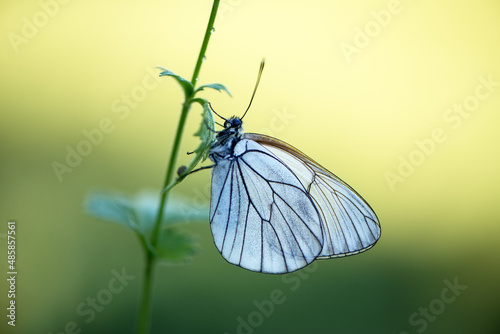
(275, 210)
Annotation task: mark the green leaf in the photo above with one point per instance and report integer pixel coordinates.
(217, 86)
(116, 208)
(183, 210)
(186, 85)
(175, 247)
(139, 212)
(206, 131)
(111, 207)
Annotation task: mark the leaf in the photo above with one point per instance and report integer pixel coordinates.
(206, 131)
(186, 85)
(139, 212)
(111, 207)
(175, 247)
(182, 210)
(217, 86)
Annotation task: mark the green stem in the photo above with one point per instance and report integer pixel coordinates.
(170, 170)
(208, 32)
(150, 255)
(146, 296)
(182, 121)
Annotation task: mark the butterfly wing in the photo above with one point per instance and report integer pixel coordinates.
(261, 215)
(350, 225)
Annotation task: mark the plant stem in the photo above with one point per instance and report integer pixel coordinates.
(182, 121)
(208, 32)
(150, 255)
(146, 296)
(170, 170)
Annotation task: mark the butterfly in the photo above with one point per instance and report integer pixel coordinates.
(275, 210)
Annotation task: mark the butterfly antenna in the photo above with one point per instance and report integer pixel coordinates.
(256, 85)
(215, 112)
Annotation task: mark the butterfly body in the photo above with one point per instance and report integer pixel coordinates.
(275, 210)
(226, 140)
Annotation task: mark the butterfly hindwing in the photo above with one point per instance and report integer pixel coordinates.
(349, 223)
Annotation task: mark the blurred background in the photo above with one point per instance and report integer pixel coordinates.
(399, 98)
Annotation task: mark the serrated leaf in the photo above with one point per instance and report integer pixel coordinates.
(186, 85)
(175, 247)
(217, 86)
(206, 131)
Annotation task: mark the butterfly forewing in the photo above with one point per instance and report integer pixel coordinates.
(262, 217)
(350, 226)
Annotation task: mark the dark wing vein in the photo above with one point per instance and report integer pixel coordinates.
(332, 213)
(229, 206)
(361, 212)
(282, 183)
(219, 197)
(295, 212)
(239, 211)
(293, 234)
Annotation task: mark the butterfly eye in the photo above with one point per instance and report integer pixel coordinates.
(237, 122)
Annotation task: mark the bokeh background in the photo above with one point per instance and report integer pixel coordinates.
(370, 89)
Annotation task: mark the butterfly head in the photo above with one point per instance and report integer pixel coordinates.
(233, 127)
(234, 123)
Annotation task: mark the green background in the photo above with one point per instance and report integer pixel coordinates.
(361, 115)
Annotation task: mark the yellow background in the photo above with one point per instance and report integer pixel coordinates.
(357, 115)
